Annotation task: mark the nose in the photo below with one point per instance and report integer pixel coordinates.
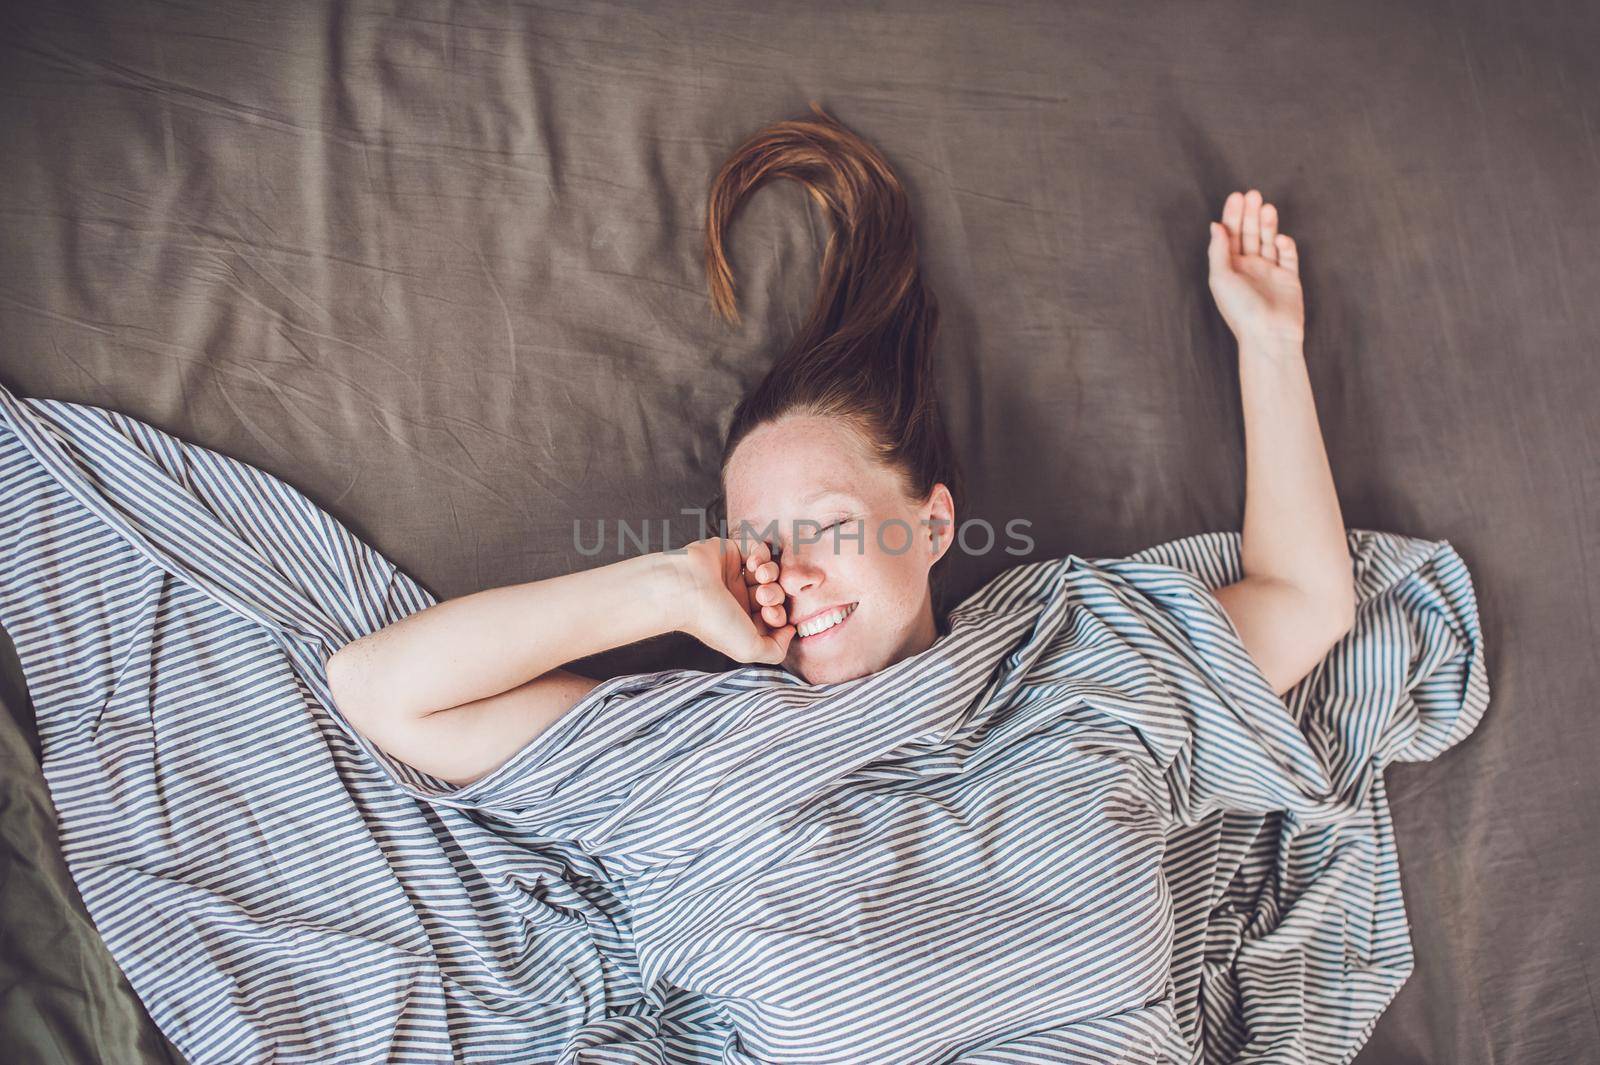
(796, 574)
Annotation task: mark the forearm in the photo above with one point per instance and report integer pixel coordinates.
(488, 642)
(1293, 530)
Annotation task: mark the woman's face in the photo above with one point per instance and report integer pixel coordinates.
(843, 535)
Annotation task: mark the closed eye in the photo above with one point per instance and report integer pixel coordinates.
(777, 554)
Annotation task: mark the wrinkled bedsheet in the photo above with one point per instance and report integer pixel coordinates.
(1079, 827)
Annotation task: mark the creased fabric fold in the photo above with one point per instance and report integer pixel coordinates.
(1080, 827)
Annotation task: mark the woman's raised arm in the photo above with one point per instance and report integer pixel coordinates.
(1298, 597)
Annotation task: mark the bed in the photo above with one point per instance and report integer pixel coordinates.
(440, 269)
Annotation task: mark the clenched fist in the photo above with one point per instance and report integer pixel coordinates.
(732, 601)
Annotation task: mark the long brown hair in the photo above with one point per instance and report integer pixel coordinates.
(864, 354)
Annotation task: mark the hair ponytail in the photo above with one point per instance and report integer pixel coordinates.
(864, 353)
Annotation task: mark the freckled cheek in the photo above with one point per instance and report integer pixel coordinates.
(889, 581)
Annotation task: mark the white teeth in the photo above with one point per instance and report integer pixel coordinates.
(826, 621)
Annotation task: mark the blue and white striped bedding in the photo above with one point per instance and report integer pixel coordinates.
(1081, 827)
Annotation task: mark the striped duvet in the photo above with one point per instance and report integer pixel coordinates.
(1080, 827)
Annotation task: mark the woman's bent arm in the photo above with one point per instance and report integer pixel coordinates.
(1297, 598)
(479, 645)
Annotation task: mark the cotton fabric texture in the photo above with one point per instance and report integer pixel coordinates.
(1080, 827)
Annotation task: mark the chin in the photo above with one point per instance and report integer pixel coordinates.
(831, 673)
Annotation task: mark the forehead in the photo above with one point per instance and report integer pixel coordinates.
(781, 469)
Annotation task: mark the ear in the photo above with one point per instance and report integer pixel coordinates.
(939, 522)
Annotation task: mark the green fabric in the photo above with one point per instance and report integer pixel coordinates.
(62, 998)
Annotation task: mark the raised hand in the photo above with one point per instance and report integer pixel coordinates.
(1255, 273)
(733, 601)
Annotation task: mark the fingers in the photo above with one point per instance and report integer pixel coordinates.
(758, 565)
(1217, 252)
(1288, 254)
(761, 575)
(1269, 232)
(1250, 230)
(775, 648)
(1232, 217)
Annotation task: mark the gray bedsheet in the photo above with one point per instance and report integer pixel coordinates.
(440, 267)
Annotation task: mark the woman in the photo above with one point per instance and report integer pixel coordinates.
(1070, 819)
(840, 459)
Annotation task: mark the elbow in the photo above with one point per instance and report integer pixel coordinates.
(358, 692)
(1341, 615)
(1337, 617)
(1345, 613)
(1332, 612)
(1336, 603)
(338, 669)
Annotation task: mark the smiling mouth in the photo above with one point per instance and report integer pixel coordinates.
(816, 637)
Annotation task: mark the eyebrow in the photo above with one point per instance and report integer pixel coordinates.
(812, 498)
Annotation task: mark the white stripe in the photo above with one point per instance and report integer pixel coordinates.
(1080, 827)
